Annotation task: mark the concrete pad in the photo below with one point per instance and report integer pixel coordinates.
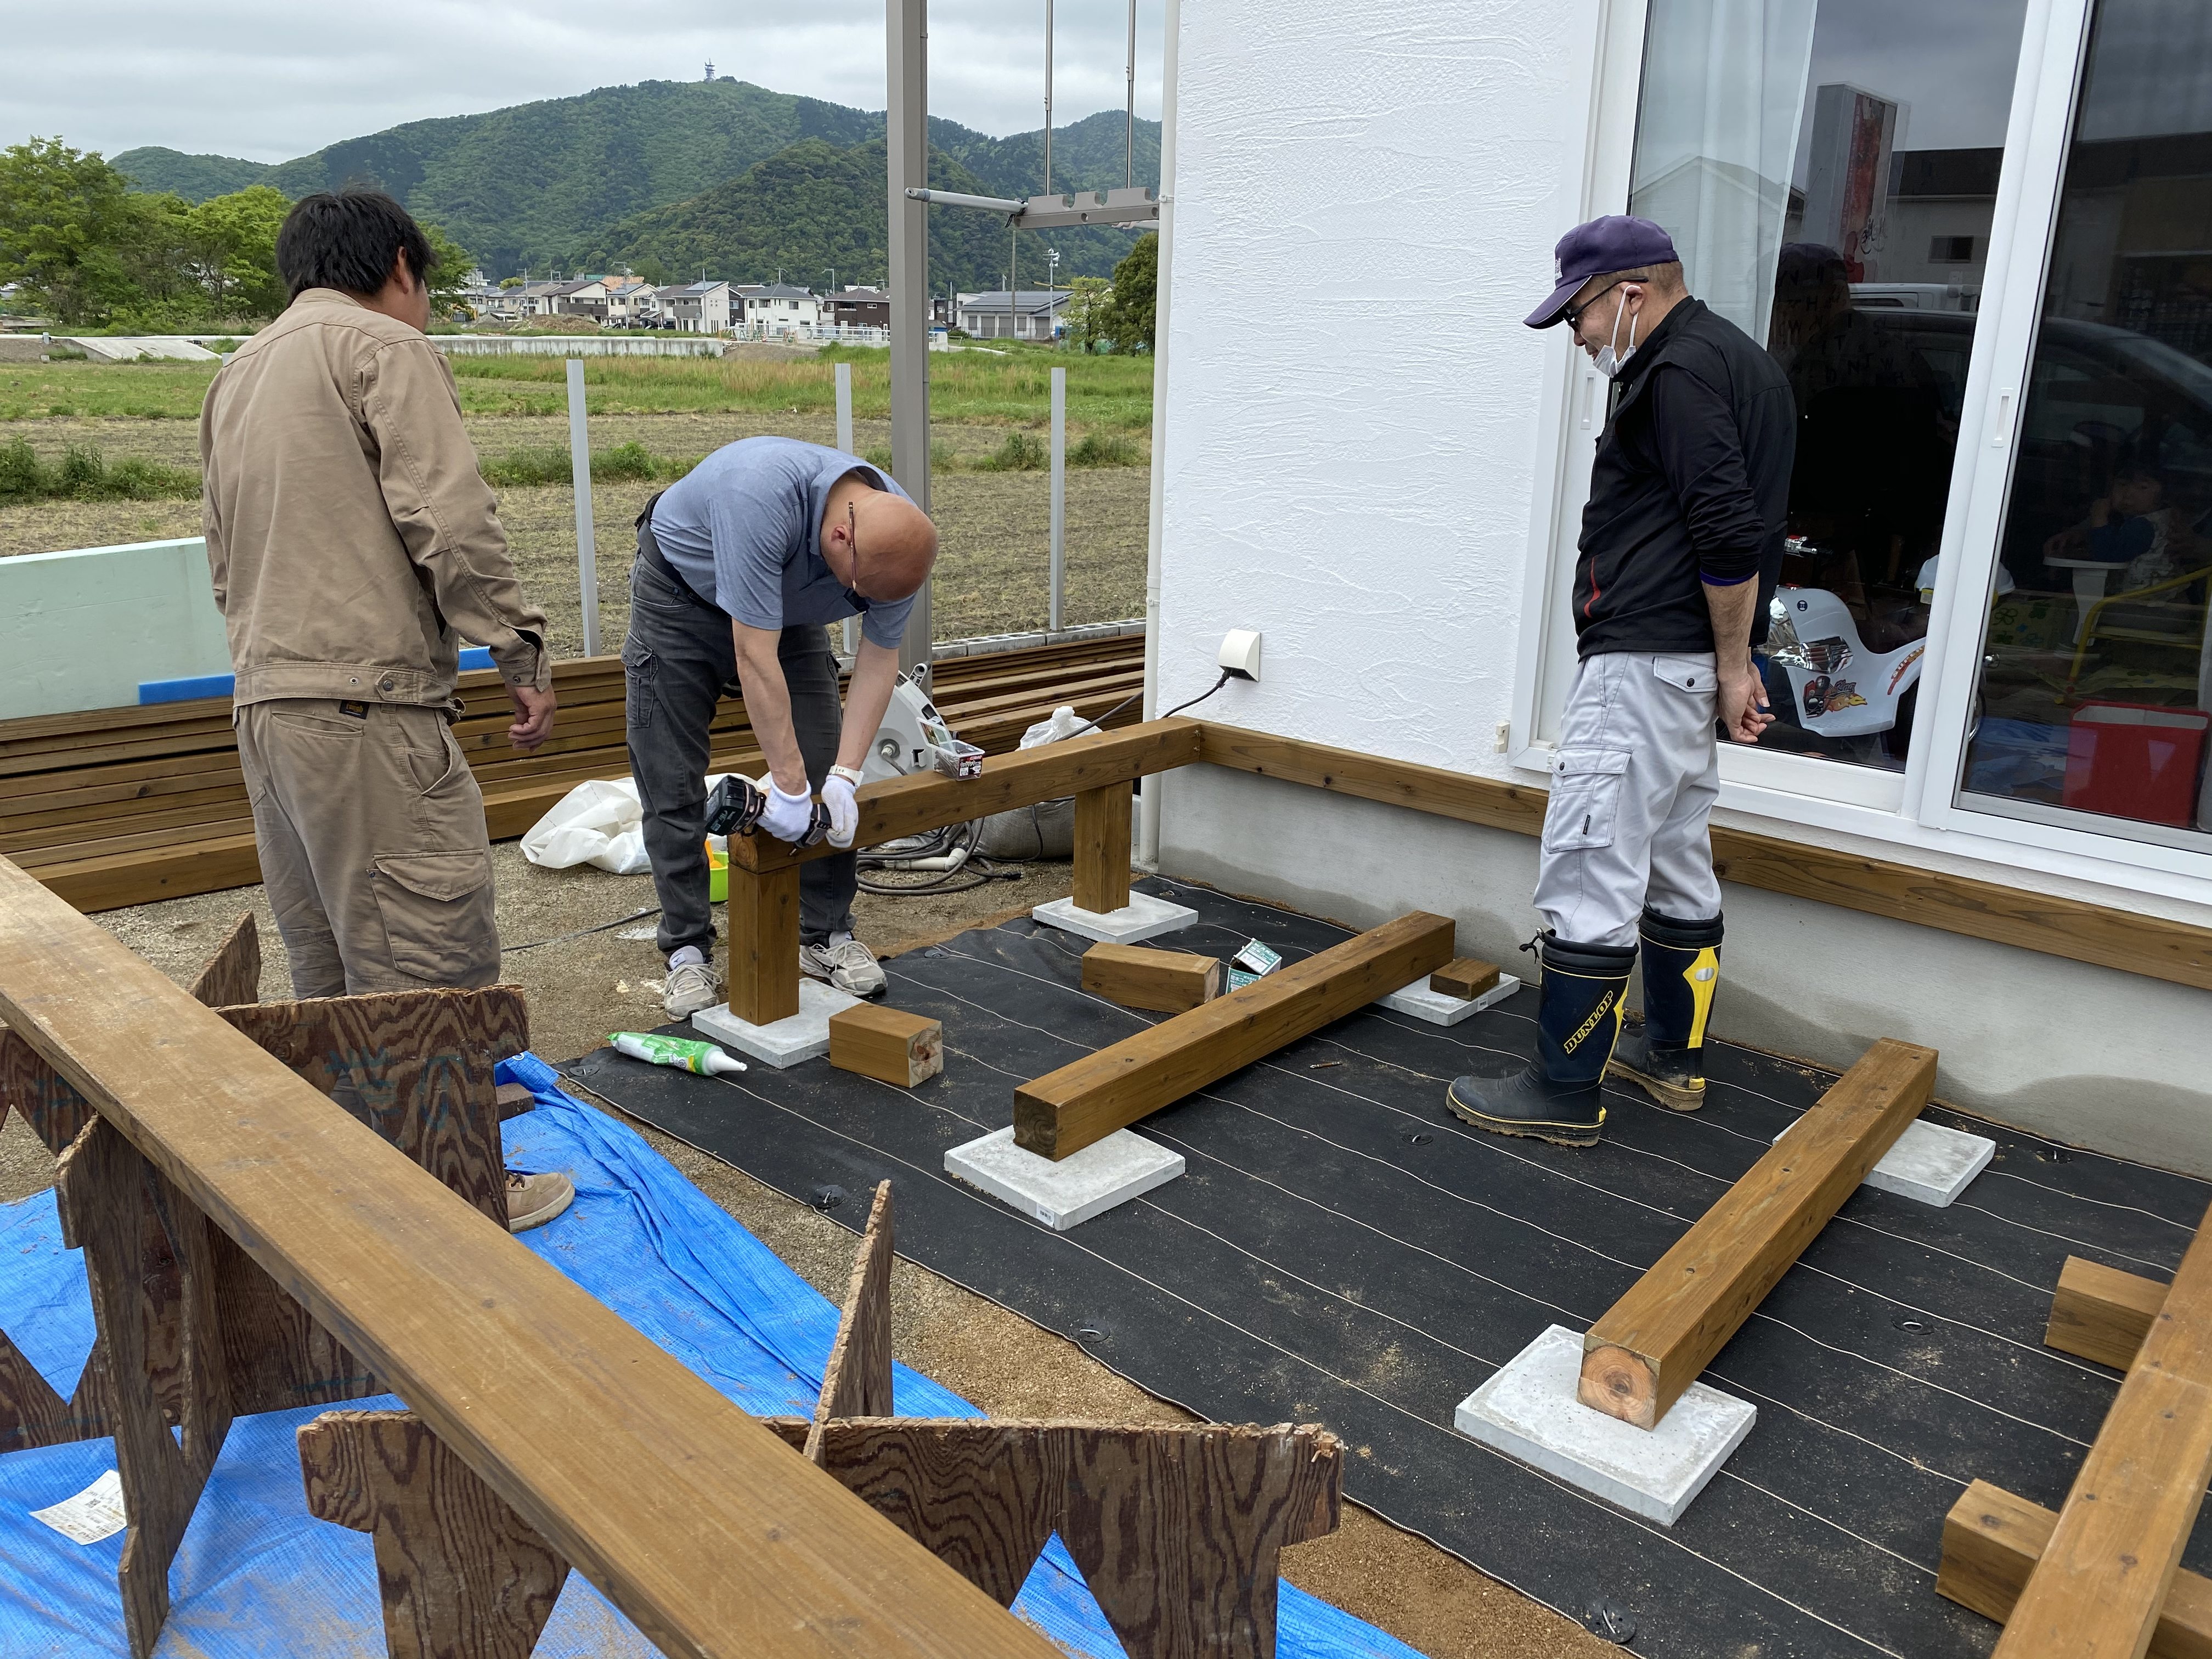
(1528, 1411)
(1068, 1192)
(781, 1042)
(1143, 917)
(1439, 1009)
(1930, 1163)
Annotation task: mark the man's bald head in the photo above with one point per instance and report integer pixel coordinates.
(880, 544)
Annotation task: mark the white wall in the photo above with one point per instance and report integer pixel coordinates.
(81, 629)
(1360, 491)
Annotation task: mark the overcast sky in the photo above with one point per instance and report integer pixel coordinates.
(270, 81)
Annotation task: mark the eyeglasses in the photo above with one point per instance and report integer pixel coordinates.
(853, 554)
(1572, 316)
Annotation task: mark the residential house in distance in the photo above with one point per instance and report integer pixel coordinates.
(629, 302)
(778, 308)
(857, 307)
(1029, 313)
(702, 308)
(584, 296)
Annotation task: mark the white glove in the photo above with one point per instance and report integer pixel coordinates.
(844, 811)
(788, 815)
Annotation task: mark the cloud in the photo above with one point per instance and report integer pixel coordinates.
(269, 82)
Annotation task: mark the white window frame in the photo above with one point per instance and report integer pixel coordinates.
(1918, 808)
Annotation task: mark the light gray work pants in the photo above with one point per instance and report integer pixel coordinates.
(1633, 783)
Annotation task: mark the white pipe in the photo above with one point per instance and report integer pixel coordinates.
(1059, 498)
(844, 445)
(954, 199)
(1146, 853)
(579, 471)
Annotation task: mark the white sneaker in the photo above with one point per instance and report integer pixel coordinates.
(694, 985)
(846, 963)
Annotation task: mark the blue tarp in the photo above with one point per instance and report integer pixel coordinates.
(256, 1576)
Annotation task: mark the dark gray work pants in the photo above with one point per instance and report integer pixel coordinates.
(677, 662)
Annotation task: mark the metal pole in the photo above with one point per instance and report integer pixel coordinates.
(908, 120)
(1129, 143)
(1059, 498)
(845, 444)
(580, 469)
(1048, 97)
(1146, 853)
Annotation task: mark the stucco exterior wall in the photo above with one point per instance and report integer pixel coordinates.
(82, 628)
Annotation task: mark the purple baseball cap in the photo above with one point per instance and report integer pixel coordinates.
(1616, 242)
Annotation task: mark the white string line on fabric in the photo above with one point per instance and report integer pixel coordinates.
(1637, 1521)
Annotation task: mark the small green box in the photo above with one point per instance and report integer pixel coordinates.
(718, 874)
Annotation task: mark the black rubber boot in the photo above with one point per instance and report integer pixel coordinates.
(1557, 1099)
(1664, 1052)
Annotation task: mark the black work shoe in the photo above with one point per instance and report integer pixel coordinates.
(1664, 1052)
(1524, 1105)
(1578, 1017)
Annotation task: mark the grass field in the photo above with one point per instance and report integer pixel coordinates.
(1105, 394)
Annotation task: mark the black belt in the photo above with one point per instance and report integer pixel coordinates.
(649, 550)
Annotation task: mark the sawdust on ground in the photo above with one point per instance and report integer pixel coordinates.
(580, 985)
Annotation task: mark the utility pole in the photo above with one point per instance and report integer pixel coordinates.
(908, 165)
(1048, 97)
(1129, 143)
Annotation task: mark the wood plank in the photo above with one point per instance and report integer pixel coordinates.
(233, 976)
(1992, 1542)
(762, 921)
(856, 1379)
(461, 1575)
(691, 1518)
(2101, 1313)
(56, 1112)
(913, 805)
(104, 883)
(1650, 1346)
(1137, 976)
(1465, 979)
(1084, 1102)
(2128, 940)
(32, 1414)
(2104, 1575)
(887, 1044)
(1101, 847)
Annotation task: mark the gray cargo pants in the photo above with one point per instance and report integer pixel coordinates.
(677, 662)
(1633, 783)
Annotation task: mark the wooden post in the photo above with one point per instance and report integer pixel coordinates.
(764, 919)
(2101, 1313)
(1102, 848)
(856, 1379)
(887, 1044)
(1084, 1102)
(1650, 1346)
(1165, 982)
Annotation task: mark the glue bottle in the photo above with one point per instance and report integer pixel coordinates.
(682, 1053)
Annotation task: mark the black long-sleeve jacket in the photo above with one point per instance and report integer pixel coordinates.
(1690, 485)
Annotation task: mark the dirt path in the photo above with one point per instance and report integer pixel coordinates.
(582, 985)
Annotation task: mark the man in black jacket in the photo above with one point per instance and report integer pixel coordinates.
(1681, 548)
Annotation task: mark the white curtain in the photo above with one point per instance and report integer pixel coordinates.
(1716, 138)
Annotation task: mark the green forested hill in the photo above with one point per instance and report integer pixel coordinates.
(813, 206)
(560, 182)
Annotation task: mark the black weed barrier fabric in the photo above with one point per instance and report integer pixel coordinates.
(1341, 1250)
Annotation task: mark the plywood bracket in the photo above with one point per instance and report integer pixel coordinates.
(856, 1379)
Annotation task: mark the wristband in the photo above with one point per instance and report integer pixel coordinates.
(850, 774)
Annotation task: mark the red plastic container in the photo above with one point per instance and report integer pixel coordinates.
(2135, 760)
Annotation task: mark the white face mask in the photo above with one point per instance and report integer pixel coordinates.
(1607, 364)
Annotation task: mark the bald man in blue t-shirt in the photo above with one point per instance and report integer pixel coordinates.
(740, 566)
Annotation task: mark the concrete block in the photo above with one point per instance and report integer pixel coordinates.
(1439, 1009)
(1528, 1411)
(1143, 917)
(1068, 1192)
(781, 1042)
(1930, 1163)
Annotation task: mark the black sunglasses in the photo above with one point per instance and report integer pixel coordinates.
(1572, 315)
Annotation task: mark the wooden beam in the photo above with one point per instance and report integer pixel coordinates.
(1137, 976)
(2124, 939)
(763, 925)
(856, 1379)
(2101, 1313)
(1992, 1542)
(925, 801)
(2102, 1579)
(1102, 848)
(462, 1576)
(887, 1044)
(689, 1516)
(1086, 1101)
(233, 975)
(1465, 979)
(1651, 1344)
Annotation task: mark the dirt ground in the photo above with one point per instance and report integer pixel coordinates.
(582, 985)
(993, 575)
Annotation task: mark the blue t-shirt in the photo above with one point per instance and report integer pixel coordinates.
(743, 529)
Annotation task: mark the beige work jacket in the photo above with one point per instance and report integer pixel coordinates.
(353, 543)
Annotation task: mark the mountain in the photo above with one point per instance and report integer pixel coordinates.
(549, 184)
(813, 206)
(195, 177)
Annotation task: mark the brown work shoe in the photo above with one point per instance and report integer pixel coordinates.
(534, 1199)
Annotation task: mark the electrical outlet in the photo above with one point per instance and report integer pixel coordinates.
(1240, 654)
(1505, 737)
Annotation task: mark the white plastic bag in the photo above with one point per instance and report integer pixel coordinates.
(1046, 831)
(1063, 724)
(600, 822)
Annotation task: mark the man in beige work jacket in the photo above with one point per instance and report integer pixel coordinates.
(354, 546)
